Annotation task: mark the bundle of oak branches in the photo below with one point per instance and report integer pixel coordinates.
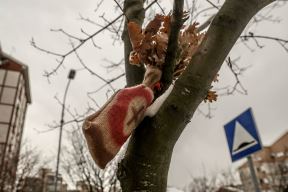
(108, 129)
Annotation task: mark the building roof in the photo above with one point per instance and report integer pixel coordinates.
(9, 62)
(285, 135)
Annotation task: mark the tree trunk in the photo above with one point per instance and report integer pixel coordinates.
(146, 164)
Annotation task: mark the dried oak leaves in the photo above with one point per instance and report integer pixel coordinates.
(150, 44)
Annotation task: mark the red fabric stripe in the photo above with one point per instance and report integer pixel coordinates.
(118, 112)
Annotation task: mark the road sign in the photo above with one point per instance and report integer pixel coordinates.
(242, 136)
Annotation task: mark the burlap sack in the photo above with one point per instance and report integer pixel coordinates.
(108, 129)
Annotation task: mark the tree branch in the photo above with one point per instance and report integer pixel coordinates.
(134, 11)
(194, 83)
(63, 56)
(172, 47)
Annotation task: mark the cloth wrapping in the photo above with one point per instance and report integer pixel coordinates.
(108, 129)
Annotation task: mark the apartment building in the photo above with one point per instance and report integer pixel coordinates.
(271, 166)
(14, 98)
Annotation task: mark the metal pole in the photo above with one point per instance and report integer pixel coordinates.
(70, 77)
(253, 174)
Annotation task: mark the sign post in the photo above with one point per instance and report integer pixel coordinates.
(253, 174)
(243, 140)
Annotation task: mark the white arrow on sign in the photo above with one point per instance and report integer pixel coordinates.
(242, 139)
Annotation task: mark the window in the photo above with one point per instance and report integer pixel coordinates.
(3, 132)
(9, 148)
(50, 179)
(273, 155)
(19, 92)
(8, 95)
(257, 158)
(265, 181)
(280, 154)
(265, 168)
(2, 145)
(13, 117)
(12, 78)
(6, 112)
(2, 74)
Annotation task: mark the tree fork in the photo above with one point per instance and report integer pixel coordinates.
(146, 163)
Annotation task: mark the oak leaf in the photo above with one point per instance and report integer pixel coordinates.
(134, 58)
(166, 24)
(211, 96)
(154, 25)
(135, 34)
(216, 78)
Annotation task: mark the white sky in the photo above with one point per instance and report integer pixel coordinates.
(202, 148)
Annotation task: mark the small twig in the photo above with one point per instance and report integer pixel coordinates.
(283, 45)
(88, 69)
(204, 25)
(213, 5)
(281, 41)
(113, 29)
(160, 7)
(32, 42)
(264, 37)
(93, 42)
(98, 6)
(93, 100)
(118, 31)
(121, 9)
(90, 21)
(113, 64)
(246, 45)
(110, 81)
(152, 3)
(236, 75)
(202, 11)
(207, 114)
(67, 34)
(193, 9)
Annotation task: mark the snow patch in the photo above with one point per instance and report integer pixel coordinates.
(170, 189)
(154, 108)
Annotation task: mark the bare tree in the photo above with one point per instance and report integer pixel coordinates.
(277, 179)
(146, 163)
(83, 172)
(201, 184)
(30, 162)
(226, 178)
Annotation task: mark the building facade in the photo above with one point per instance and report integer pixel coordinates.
(271, 167)
(43, 182)
(14, 98)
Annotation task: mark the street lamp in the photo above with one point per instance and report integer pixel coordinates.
(71, 76)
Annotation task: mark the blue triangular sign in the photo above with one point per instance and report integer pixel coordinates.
(242, 136)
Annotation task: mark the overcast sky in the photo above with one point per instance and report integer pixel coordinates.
(202, 148)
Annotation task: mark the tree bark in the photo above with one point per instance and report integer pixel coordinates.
(146, 163)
